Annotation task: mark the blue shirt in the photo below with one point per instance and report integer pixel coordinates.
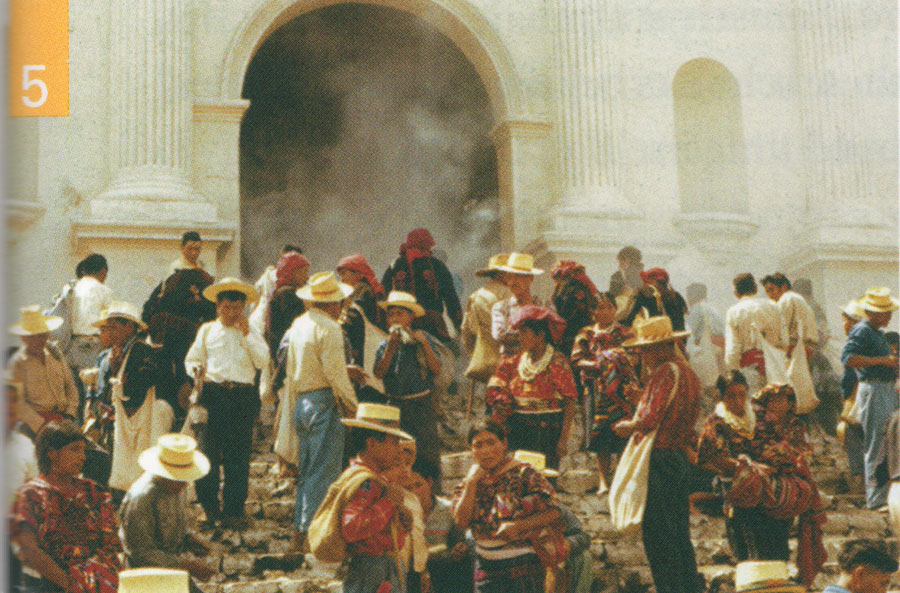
(406, 375)
(834, 589)
(866, 340)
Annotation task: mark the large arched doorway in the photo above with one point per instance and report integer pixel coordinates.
(364, 123)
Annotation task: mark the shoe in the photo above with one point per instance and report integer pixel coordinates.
(236, 522)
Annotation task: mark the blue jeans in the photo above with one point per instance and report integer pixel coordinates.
(877, 401)
(320, 449)
(366, 573)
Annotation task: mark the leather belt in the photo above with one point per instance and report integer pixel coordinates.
(410, 396)
(230, 384)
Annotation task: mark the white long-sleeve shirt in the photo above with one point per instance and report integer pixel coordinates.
(799, 318)
(747, 312)
(89, 298)
(227, 354)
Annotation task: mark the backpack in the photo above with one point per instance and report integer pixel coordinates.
(62, 307)
(324, 535)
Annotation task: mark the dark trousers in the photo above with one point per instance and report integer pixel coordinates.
(753, 535)
(536, 432)
(666, 526)
(227, 442)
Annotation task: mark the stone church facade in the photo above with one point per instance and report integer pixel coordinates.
(718, 136)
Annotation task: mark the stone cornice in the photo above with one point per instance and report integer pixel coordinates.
(86, 230)
(21, 214)
(220, 110)
(530, 128)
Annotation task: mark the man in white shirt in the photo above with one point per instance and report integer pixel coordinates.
(190, 254)
(799, 319)
(746, 322)
(318, 392)
(90, 296)
(226, 355)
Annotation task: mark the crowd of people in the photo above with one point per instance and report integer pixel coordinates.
(113, 410)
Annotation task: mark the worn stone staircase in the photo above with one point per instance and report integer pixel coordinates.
(257, 559)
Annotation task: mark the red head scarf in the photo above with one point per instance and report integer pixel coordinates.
(555, 323)
(418, 244)
(357, 263)
(287, 265)
(655, 276)
(566, 268)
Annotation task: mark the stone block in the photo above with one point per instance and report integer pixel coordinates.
(456, 465)
(837, 524)
(278, 510)
(618, 554)
(578, 481)
(258, 469)
(865, 523)
(253, 508)
(237, 564)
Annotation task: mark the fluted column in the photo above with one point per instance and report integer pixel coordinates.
(588, 108)
(837, 185)
(151, 112)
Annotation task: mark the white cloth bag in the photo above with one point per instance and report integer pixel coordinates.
(628, 493)
(801, 380)
(702, 357)
(776, 361)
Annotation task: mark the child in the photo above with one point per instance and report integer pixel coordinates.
(227, 354)
(407, 363)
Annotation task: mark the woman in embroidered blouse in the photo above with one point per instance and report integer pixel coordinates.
(533, 392)
(609, 381)
(65, 525)
(502, 500)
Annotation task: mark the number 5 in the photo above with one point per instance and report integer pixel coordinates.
(26, 84)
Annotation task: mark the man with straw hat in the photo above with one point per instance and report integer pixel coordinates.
(226, 355)
(48, 388)
(517, 273)
(154, 519)
(667, 410)
(363, 516)
(849, 430)
(868, 353)
(317, 393)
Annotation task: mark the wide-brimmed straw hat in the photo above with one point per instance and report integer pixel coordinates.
(536, 460)
(520, 263)
(494, 264)
(211, 292)
(654, 330)
(121, 310)
(879, 300)
(764, 576)
(380, 417)
(153, 580)
(175, 457)
(324, 287)
(398, 298)
(34, 322)
(854, 310)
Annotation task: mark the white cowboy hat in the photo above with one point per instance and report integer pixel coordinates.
(153, 580)
(175, 457)
(494, 264)
(853, 310)
(34, 323)
(536, 460)
(654, 330)
(879, 300)
(324, 287)
(520, 263)
(380, 417)
(764, 576)
(211, 292)
(404, 300)
(121, 310)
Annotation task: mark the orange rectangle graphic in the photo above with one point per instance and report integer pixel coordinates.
(38, 68)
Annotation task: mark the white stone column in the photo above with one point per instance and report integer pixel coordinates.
(589, 109)
(151, 112)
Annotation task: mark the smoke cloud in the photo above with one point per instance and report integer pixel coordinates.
(364, 123)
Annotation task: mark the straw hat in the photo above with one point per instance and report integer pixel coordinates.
(768, 576)
(34, 322)
(121, 310)
(535, 460)
(879, 300)
(494, 264)
(211, 292)
(153, 580)
(378, 417)
(520, 263)
(175, 456)
(854, 310)
(654, 330)
(405, 300)
(324, 287)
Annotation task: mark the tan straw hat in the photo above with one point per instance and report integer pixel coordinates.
(520, 263)
(153, 580)
(324, 287)
(536, 460)
(34, 323)
(121, 310)
(378, 417)
(211, 292)
(654, 330)
(764, 576)
(405, 300)
(879, 300)
(175, 457)
(494, 264)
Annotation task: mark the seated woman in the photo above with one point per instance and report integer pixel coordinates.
(533, 392)
(503, 500)
(609, 381)
(65, 525)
